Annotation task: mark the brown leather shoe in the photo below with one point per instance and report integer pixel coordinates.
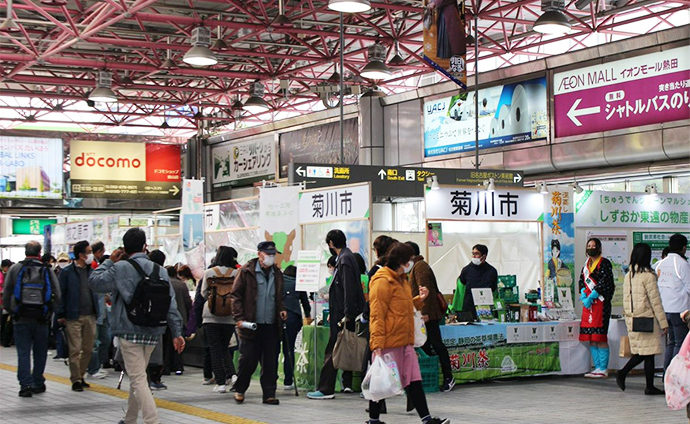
(272, 401)
(239, 397)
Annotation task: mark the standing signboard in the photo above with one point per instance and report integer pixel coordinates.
(244, 163)
(125, 170)
(642, 90)
(30, 167)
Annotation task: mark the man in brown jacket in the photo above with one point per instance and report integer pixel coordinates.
(257, 300)
(423, 276)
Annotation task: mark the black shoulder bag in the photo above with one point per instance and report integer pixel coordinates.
(640, 324)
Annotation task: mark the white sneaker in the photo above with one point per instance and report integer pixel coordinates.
(99, 375)
(220, 389)
(592, 374)
(233, 380)
(288, 387)
(209, 381)
(600, 373)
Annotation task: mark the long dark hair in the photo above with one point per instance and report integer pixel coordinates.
(226, 256)
(641, 259)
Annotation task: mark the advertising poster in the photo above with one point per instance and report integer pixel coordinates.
(30, 167)
(192, 214)
(319, 144)
(508, 114)
(614, 247)
(279, 222)
(630, 210)
(445, 45)
(658, 241)
(125, 170)
(244, 163)
(435, 234)
(559, 243)
(641, 90)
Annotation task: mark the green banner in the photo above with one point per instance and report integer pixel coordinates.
(30, 226)
(305, 359)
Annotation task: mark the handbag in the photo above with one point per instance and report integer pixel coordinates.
(348, 352)
(624, 351)
(419, 329)
(640, 324)
(442, 303)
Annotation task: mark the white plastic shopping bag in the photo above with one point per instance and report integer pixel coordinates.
(382, 380)
(419, 329)
(677, 378)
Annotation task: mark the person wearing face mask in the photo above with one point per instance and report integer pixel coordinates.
(476, 275)
(257, 298)
(345, 300)
(391, 327)
(596, 291)
(78, 312)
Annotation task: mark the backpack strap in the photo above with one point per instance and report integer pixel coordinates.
(228, 273)
(155, 275)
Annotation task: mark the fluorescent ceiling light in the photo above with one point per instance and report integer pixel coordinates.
(349, 6)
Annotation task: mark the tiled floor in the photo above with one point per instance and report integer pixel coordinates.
(528, 401)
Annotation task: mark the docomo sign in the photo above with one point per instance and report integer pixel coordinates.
(97, 160)
(109, 162)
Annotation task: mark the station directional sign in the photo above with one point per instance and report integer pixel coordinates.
(396, 181)
(127, 189)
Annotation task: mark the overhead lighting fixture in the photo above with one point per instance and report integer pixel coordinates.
(542, 188)
(200, 55)
(376, 69)
(54, 2)
(9, 24)
(349, 6)
(103, 93)
(168, 63)
(281, 19)
(651, 190)
(219, 44)
(164, 125)
(237, 105)
(469, 39)
(255, 103)
(335, 78)
(576, 186)
(126, 80)
(397, 60)
(374, 92)
(553, 20)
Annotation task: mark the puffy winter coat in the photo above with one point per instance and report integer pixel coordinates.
(391, 320)
(646, 302)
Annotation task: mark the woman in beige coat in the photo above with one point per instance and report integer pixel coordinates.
(641, 299)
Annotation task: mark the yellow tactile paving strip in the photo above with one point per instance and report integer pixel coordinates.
(161, 403)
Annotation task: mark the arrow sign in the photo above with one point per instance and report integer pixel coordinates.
(382, 174)
(301, 172)
(573, 113)
(174, 190)
(517, 178)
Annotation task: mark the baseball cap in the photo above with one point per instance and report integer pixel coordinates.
(63, 257)
(267, 247)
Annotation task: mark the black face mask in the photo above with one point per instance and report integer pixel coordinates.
(593, 253)
(333, 252)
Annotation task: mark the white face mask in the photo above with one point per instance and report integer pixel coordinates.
(477, 261)
(62, 264)
(408, 267)
(89, 258)
(269, 260)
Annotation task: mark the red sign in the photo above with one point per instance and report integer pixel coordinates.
(163, 162)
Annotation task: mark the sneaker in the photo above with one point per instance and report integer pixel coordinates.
(233, 380)
(289, 387)
(77, 387)
(318, 395)
(208, 381)
(659, 374)
(84, 384)
(158, 386)
(347, 390)
(592, 374)
(220, 388)
(654, 391)
(58, 359)
(448, 385)
(26, 392)
(99, 375)
(39, 389)
(437, 420)
(178, 372)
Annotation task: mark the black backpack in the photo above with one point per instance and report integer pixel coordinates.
(33, 293)
(151, 300)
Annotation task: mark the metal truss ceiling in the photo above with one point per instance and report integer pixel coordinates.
(50, 65)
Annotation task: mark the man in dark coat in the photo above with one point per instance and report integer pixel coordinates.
(346, 300)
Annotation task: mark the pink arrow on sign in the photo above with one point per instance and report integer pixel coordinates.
(574, 112)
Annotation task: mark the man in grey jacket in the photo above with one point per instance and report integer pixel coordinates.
(136, 342)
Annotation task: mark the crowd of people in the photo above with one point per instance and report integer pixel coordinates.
(93, 308)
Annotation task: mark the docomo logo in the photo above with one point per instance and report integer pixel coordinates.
(106, 162)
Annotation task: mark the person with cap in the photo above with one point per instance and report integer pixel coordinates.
(257, 306)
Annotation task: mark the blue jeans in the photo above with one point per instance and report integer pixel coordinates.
(100, 350)
(677, 331)
(30, 335)
(293, 325)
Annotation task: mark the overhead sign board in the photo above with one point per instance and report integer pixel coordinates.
(646, 89)
(395, 181)
(477, 204)
(125, 170)
(30, 167)
(244, 163)
(605, 209)
(30, 226)
(508, 114)
(337, 204)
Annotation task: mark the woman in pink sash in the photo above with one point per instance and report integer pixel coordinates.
(596, 291)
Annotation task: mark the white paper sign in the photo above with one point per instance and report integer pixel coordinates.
(565, 298)
(211, 217)
(483, 296)
(570, 331)
(335, 204)
(517, 334)
(244, 162)
(78, 231)
(535, 333)
(308, 270)
(632, 210)
(552, 333)
(460, 203)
